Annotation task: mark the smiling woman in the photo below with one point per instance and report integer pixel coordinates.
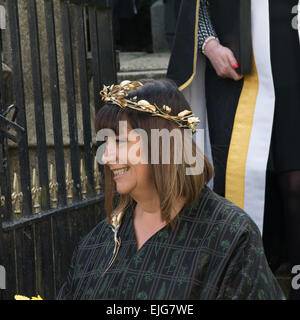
(165, 182)
(167, 235)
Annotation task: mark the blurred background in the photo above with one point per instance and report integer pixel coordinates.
(144, 25)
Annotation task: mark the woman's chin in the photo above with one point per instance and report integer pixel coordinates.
(122, 189)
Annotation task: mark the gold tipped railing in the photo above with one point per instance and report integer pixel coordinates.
(36, 192)
(69, 184)
(2, 201)
(84, 180)
(17, 196)
(53, 188)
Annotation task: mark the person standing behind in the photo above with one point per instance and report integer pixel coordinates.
(252, 81)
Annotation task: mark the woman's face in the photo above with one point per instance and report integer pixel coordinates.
(123, 157)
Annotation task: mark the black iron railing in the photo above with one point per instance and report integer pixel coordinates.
(92, 31)
(44, 213)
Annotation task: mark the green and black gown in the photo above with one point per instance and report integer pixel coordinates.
(214, 252)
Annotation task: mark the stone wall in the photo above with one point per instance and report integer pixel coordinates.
(27, 72)
(28, 86)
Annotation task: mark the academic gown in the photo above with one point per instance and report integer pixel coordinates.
(214, 252)
(252, 123)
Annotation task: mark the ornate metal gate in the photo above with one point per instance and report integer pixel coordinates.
(55, 56)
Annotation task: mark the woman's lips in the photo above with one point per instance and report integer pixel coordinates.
(120, 172)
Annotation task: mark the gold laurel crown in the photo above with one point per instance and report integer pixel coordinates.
(117, 94)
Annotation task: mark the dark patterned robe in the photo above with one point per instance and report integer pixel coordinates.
(214, 252)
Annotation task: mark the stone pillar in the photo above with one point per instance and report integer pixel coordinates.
(2, 17)
(159, 40)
